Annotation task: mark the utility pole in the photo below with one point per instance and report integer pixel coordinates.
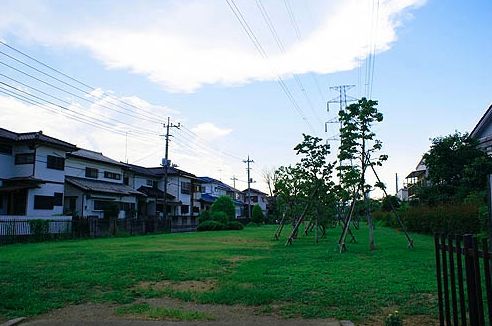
(396, 184)
(166, 162)
(248, 161)
(234, 179)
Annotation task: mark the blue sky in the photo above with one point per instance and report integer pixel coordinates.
(432, 74)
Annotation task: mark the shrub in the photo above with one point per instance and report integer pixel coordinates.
(450, 218)
(234, 225)
(210, 226)
(257, 215)
(218, 216)
(39, 229)
(204, 216)
(224, 204)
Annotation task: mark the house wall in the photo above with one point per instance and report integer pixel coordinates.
(47, 189)
(6, 166)
(22, 170)
(75, 167)
(174, 188)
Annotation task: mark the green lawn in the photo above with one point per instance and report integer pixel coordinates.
(249, 268)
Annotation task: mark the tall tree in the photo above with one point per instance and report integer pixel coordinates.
(358, 147)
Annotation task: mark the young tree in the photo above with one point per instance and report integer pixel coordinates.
(257, 215)
(358, 147)
(223, 207)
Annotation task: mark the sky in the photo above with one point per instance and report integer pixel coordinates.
(236, 94)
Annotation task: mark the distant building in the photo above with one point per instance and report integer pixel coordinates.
(213, 189)
(257, 197)
(416, 178)
(483, 132)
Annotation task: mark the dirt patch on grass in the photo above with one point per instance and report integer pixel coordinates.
(208, 314)
(415, 320)
(193, 285)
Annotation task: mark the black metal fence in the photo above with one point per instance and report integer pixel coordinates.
(463, 280)
(12, 231)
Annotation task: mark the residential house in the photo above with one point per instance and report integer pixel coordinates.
(213, 189)
(416, 178)
(94, 184)
(149, 181)
(483, 131)
(257, 197)
(32, 174)
(185, 189)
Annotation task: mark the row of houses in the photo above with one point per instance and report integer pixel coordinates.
(482, 132)
(45, 177)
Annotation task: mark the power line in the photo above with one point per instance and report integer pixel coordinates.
(92, 88)
(247, 29)
(278, 41)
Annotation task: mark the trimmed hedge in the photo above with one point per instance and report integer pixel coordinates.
(455, 219)
(217, 226)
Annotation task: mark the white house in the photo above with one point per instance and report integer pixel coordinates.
(32, 174)
(94, 184)
(257, 197)
(483, 131)
(213, 189)
(184, 190)
(149, 182)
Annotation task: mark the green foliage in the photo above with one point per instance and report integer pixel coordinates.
(358, 145)
(393, 319)
(234, 225)
(306, 182)
(390, 202)
(225, 205)
(204, 216)
(257, 215)
(210, 226)
(219, 216)
(39, 229)
(448, 218)
(457, 168)
(240, 263)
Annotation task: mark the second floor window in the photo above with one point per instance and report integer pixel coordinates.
(24, 158)
(152, 183)
(91, 173)
(55, 162)
(185, 188)
(185, 209)
(112, 175)
(5, 149)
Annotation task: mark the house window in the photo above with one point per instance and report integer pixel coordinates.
(24, 158)
(43, 202)
(254, 199)
(5, 149)
(100, 205)
(196, 209)
(91, 173)
(112, 175)
(58, 199)
(185, 209)
(126, 180)
(185, 188)
(55, 162)
(152, 183)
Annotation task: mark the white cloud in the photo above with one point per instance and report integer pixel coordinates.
(209, 132)
(188, 44)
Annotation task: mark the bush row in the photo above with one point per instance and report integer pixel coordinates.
(450, 218)
(211, 225)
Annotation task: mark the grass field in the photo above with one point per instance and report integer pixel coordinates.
(245, 267)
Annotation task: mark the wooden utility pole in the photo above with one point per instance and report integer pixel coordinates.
(234, 179)
(248, 161)
(166, 163)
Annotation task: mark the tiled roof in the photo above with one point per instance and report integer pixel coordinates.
(173, 171)
(141, 170)
(255, 191)
(224, 185)
(38, 137)
(208, 198)
(102, 186)
(154, 192)
(94, 156)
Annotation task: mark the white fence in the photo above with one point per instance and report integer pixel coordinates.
(23, 225)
